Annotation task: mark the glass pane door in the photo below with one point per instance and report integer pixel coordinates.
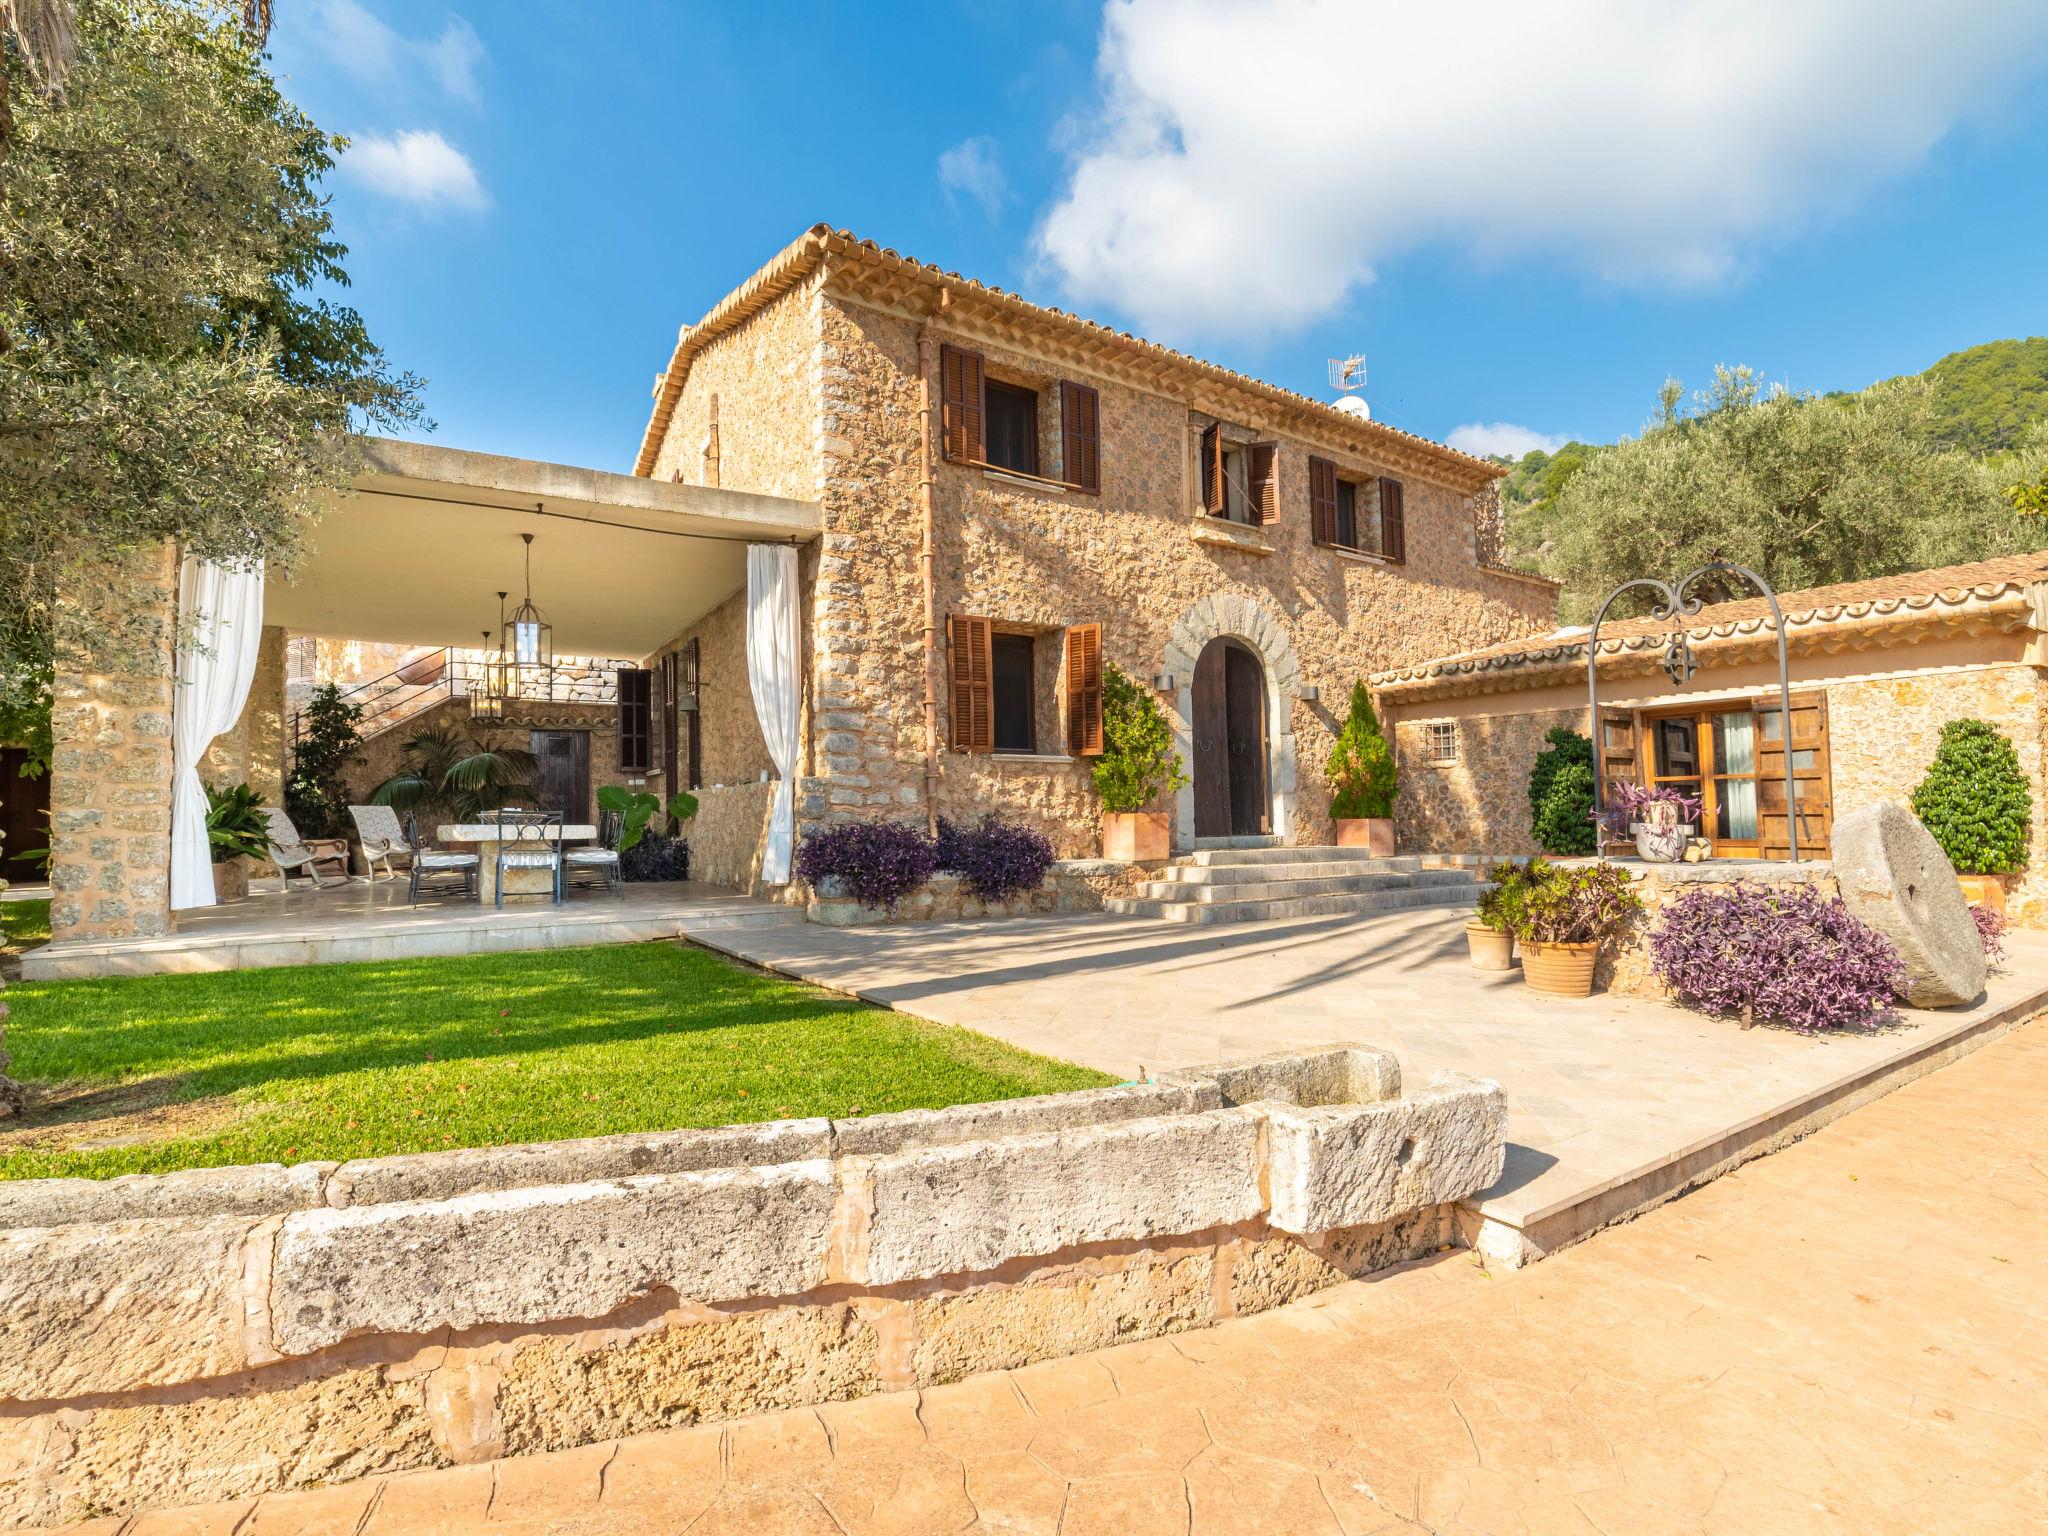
(1734, 737)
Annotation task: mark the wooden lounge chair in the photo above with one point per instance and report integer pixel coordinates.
(293, 854)
(383, 839)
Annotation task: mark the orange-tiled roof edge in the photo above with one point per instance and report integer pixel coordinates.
(803, 256)
(1878, 600)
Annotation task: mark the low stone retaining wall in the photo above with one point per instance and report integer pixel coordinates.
(221, 1333)
(1072, 885)
(1626, 968)
(726, 834)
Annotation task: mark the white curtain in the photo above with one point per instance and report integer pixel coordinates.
(220, 609)
(772, 672)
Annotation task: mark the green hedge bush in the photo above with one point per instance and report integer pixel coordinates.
(1561, 794)
(1975, 800)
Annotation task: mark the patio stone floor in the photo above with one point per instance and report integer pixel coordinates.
(1847, 1339)
(1613, 1102)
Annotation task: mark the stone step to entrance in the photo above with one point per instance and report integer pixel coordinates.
(1340, 903)
(1252, 840)
(1311, 868)
(1316, 854)
(1286, 884)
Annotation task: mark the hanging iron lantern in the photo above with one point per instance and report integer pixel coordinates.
(528, 639)
(487, 698)
(1679, 662)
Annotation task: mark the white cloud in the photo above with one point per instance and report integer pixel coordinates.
(1252, 160)
(366, 46)
(417, 166)
(1503, 437)
(971, 169)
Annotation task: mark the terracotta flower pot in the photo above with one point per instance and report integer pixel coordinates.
(1491, 949)
(1137, 837)
(231, 880)
(1559, 970)
(1373, 832)
(1987, 891)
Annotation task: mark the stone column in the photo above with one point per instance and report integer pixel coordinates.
(110, 771)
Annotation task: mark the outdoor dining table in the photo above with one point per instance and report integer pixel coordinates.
(486, 835)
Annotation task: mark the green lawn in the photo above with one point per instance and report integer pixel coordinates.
(152, 1073)
(24, 924)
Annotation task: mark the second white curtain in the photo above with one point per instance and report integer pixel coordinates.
(772, 672)
(220, 612)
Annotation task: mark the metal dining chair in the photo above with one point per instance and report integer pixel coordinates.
(430, 863)
(601, 858)
(524, 843)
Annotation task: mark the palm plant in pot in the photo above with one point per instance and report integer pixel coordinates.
(1660, 819)
(1137, 766)
(1566, 917)
(236, 834)
(457, 774)
(1490, 936)
(1362, 786)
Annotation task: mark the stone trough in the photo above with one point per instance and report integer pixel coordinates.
(221, 1333)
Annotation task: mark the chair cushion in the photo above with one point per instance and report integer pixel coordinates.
(593, 856)
(447, 860)
(530, 860)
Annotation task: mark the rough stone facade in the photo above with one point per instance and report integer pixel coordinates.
(727, 833)
(1625, 966)
(1479, 801)
(1071, 885)
(384, 753)
(110, 770)
(228, 1332)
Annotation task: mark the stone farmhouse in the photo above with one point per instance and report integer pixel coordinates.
(1080, 498)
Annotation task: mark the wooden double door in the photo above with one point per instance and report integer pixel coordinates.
(1232, 797)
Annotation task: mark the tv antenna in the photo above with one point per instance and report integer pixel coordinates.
(1348, 373)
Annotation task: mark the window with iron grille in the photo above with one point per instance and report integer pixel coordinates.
(1440, 741)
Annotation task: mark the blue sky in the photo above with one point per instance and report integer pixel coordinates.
(1526, 216)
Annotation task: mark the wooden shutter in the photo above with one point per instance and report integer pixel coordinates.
(1262, 482)
(961, 436)
(1618, 751)
(974, 715)
(1084, 690)
(1080, 435)
(1811, 775)
(1322, 501)
(636, 720)
(1393, 520)
(1214, 500)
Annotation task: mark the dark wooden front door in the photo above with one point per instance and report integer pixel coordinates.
(561, 780)
(24, 819)
(1231, 798)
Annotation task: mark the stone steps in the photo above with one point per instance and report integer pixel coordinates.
(1263, 882)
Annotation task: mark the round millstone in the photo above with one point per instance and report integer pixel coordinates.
(1895, 877)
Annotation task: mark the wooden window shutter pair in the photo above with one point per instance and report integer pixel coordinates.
(635, 688)
(1811, 774)
(1080, 435)
(1393, 520)
(974, 710)
(1084, 690)
(1262, 483)
(1322, 501)
(1619, 754)
(961, 432)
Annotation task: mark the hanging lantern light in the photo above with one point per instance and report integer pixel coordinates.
(1679, 662)
(487, 698)
(528, 639)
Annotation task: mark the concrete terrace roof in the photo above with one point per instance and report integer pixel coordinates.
(1985, 590)
(1099, 346)
(418, 550)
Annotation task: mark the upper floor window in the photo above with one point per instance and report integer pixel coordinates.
(1012, 415)
(1238, 480)
(995, 423)
(1367, 517)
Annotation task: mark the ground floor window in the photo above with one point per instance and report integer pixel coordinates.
(1012, 662)
(1731, 757)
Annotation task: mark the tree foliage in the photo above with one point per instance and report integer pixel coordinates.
(171, 370)
(329, 744)
(1561, 793)
(1975, 800)
(1138, 763)
(458, 773)
(1806, 490)
(1361, 766)
(1986, 397)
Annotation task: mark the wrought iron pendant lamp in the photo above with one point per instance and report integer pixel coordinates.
(487, 699)
(529, 639)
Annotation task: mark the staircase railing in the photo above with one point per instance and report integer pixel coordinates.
(388, 700)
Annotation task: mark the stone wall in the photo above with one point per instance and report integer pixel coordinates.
(1479, 802)
(384, 753)
(1625, 967)
(1882, 736)
(110, 768)
(223, 1333)
(727, 833)
(1071, 885)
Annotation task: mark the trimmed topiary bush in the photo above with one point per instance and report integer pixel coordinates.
(1975, 800)
(1796, 958)
(877, 863)
(1361, 766)
(1561, 794)
(1138, 763)
(997, 859)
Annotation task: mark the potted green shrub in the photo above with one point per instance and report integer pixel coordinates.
(1566, 917)
(1362, 783)
(1561, 794)
(1976, 803)
(1137, 766)
(236, 833)
(1490, 936)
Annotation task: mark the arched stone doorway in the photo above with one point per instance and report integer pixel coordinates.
(1268, 678)
(1229, 767)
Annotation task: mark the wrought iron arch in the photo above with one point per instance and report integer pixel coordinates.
(1679, 666)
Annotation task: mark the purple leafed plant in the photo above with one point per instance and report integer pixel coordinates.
(877, 862)
(1627, 803)
(997, 859)
(1990, 933)
(1787, 957)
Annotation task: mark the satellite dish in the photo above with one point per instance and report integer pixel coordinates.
(1353, 405)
